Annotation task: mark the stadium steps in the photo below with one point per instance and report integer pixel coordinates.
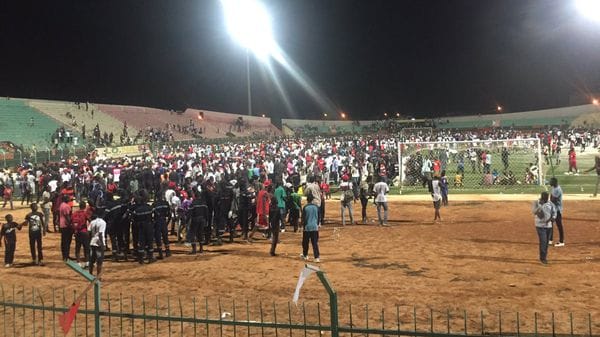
(14, 124)
(58, 110)
(141, 118)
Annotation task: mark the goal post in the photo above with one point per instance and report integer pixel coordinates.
(473, 165)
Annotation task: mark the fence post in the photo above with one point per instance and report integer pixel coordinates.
(91, 278)
(333, 303)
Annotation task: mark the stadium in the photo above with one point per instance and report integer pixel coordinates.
(197, 222)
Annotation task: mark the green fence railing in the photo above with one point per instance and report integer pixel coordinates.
(27, 312)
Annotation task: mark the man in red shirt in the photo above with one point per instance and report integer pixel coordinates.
(80, 222)
(66, 228)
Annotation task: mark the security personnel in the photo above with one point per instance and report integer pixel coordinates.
(198, 212)
(162, 217)
(142, 217)
(225, 197)
(111, 207)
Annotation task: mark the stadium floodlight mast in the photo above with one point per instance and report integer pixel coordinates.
(249, 23)
(589, 9)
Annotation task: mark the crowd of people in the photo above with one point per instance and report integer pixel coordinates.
(206, 194)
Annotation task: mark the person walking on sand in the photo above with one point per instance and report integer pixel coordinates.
(8, 235)
(556, 195)
(544, 214)
(310, 223)
(597, 168)
(35, 222)
(436, 196)
(381, 189)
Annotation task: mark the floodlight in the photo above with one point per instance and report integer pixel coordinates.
(249, 24)
(589, 9)
(595, 101)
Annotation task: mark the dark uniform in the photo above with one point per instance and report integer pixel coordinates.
(274, 224)
(198, 213)
(225, 197)
(142, 217)
(162, 216)
(246, 205)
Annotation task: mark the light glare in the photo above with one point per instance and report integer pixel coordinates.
(249, 23)
(589, 9)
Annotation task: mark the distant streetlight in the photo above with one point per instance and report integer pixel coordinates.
(325, 115)
(343, 115)
(398, 114)
(499, 108)
(249, 24)
(263, 116)
(595, 101)
(385, 114)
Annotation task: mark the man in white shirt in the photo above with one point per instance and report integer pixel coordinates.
(381, 189)
(97, 228)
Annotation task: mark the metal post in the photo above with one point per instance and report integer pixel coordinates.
(90, 278)
(333, 303)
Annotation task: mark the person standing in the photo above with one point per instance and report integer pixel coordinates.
(295, 207)
(556, 196)
(597, 168)
(162, 217)
(381, 189)
(364, 196)
(8, 232)
(7, 196)
(310, 223)
(80, 227)
(280, 196)
(198, 221)
(142, 218)
(444, 188)
(66, 228)
(274, 223)
(436, 196)
(572, 161)
(34, 221)
(47, 207)
(544, 213)
(97, 231)
(346, 199)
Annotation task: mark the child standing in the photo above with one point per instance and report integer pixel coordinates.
(9, 234)
(310, 223)
(7, 196)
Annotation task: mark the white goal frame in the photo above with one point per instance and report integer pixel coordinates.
(535, 143)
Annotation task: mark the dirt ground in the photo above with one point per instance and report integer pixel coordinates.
(482, 257)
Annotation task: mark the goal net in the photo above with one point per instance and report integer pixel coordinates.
(476, 165)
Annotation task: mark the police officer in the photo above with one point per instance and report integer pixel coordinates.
(198, 212)
(162, 217)
(111, 207)
(142, 217)
(224, 200)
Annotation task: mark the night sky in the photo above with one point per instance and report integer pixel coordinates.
(420, 58)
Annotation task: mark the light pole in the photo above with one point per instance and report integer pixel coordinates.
(248, 85)
(249, 23)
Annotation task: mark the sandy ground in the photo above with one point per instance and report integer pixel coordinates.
(482, 258)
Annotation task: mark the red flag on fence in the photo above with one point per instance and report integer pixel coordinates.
(65, 320)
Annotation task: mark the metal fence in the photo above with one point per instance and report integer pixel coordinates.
(31, 312)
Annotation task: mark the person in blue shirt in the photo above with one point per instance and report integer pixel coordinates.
(556, 195)
(310, 222)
